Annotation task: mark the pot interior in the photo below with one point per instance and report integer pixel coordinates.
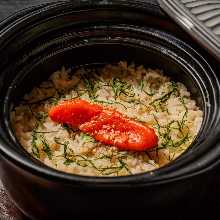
(96, 55)
(95, 50)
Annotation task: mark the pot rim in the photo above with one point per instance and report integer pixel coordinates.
(138, 179)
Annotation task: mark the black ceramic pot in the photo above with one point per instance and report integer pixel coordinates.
(37, 41)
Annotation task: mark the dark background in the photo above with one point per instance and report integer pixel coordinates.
(9, 212)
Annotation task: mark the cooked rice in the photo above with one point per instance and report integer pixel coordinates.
(143, 94)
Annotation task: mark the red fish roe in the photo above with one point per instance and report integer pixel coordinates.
(105, 125)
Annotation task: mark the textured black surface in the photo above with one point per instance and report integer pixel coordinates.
(201, 19)
(8, 7)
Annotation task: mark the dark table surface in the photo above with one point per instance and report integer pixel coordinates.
(7, 210)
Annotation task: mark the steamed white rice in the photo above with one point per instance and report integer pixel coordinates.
(143, 94)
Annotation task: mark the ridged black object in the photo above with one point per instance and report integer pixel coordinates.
(200, 18)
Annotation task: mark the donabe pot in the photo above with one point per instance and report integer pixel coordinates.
(36, 42)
